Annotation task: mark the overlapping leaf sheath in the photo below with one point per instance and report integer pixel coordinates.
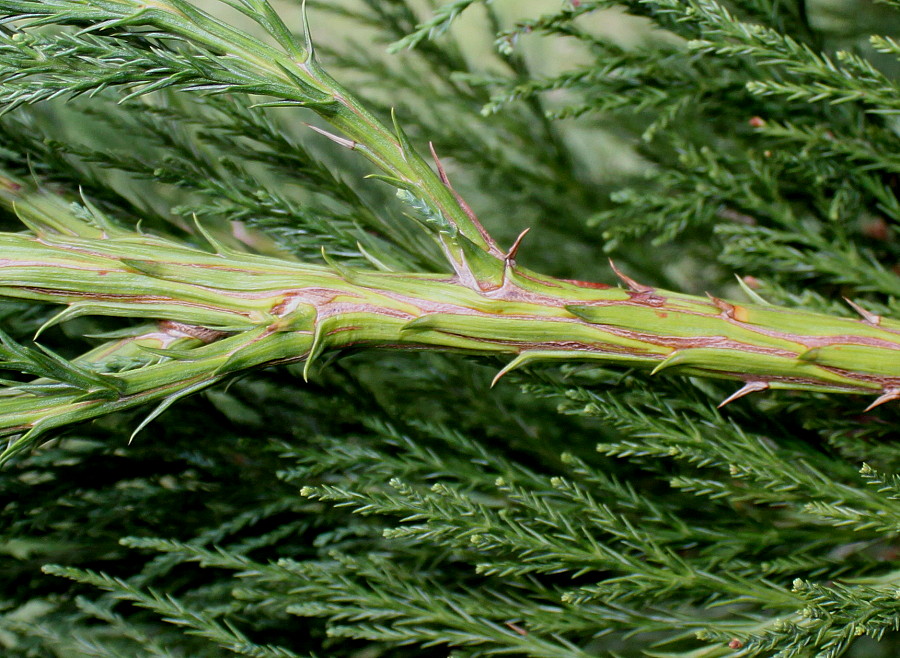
(231, 311)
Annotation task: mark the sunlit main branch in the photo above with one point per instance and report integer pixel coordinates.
(222, 312)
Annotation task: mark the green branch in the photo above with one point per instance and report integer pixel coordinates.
(249, 311)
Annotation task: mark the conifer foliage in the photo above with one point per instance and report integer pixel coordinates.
(198, 215)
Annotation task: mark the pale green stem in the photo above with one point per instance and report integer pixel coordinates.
(259, 311)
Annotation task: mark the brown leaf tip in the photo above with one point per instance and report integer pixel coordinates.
(746, 389)
(632, 285)
(337, 139)
(868, 317)
(727, 308)
(510, 257)
(888, 395)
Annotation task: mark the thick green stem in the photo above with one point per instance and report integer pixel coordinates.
(254, 311)
(528, 317)
(250, 311)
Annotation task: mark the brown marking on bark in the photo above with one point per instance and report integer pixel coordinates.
(16, 429)
(315, 297)
(688, 342)
(727, 308)
(340, 330)
(810, 342)
(285, 305)
(134, 299)
(8, 262)
(108, 296)
(332, 309)
(12, 186)
(442, 174)
(510, 291)
(203, 334)
(588, 284)
(650, 299)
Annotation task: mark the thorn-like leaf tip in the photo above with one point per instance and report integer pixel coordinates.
(514, 249)
(810, 355)
(442, 174)
(726, 307)
(406, 148)
(670, 360)
(632, 285)
(867, 316)
(527, 357)
(220, 249)
(315, 349)
(512, 365)
(746, 389)
(337, 139)
(166, 403)
(307, 35)
(754, 296)
(888, 395)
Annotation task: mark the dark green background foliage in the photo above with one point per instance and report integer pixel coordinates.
(395, 506)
